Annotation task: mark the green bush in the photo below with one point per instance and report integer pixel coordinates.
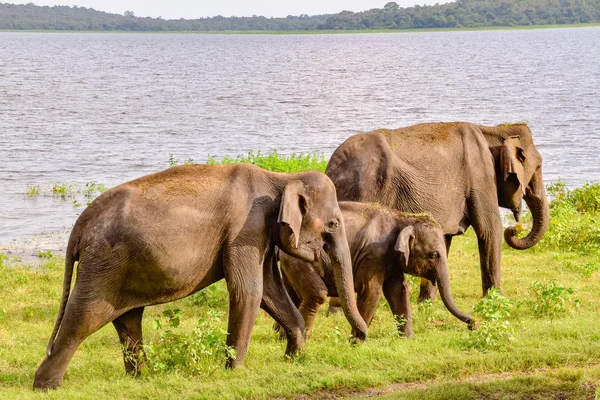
(550, 299)
(198, 351)
(495, 329)
(574, 216)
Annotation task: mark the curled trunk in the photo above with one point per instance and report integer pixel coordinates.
(536, 200)
(341, 264)
(443, 283)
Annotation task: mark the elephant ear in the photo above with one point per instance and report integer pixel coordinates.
(512, 157)
(293, 208)
(403, 242)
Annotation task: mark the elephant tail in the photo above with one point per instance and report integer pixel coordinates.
(71, 256)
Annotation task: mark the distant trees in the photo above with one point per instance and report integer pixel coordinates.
(470, 13)
(460, 13)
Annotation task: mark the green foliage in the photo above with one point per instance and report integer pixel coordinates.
(195, 351)
(550, 299)
(33, 190)
(176, 161)
(75, 193)
(213, 296)
(62, 190)
(495, 329)
(278, 163)
(45, 254)
(93, 189)
(574, 219)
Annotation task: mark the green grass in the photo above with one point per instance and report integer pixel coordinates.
(545, 357)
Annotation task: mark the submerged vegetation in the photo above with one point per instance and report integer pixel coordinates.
(540, 338)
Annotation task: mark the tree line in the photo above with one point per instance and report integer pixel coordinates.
(460, 13)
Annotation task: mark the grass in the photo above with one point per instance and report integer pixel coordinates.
(544, 357)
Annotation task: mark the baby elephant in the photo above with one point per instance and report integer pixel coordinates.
(385, 244)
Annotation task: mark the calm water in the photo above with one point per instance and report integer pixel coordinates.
(111, 107)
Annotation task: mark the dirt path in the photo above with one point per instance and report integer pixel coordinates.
(398, 387)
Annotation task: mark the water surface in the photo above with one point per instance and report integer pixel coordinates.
(82, 107)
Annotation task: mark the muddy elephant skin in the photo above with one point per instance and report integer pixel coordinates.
(385, 245)
(165, 236)
(459, 172)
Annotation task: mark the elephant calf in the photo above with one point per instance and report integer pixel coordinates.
(384, 244)
(165, 236)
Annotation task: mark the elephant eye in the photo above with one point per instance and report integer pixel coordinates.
(520, 154)
(333, 224)
(434, 255)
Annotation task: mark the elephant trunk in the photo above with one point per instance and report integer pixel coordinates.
(341, 263)
(443, 282)
(535, 197)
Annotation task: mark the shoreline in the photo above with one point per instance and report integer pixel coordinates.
(322, 31)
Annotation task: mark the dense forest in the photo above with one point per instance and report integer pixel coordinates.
(460, 13)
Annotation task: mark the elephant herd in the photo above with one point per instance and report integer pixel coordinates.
(389, 203)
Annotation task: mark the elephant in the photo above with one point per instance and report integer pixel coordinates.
(457, 171)
(167, 235)
(385, 244)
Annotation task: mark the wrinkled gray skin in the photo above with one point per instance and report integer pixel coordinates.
(459, 172)
(385, 245)
(165, 236)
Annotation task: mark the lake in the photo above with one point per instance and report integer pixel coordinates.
(83, 107)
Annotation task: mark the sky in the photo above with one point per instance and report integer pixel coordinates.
(190, 9)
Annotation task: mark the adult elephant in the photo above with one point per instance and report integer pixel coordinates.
(459, 172)
(165, 236)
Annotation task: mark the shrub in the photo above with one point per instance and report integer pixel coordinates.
(194, 352)
(574, 216)
(549, 299)
(495, 330)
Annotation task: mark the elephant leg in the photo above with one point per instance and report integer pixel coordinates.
(488, 228)
(335, 306)
(245, 286)
(397, 292)
(295, 299)
(428, 289)
(129, 329)
(311, 303)
(368, 300)
(290, 290)
(277, 303)
(82, 318)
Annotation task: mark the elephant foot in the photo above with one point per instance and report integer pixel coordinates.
(295, 344)
(407, 333)
(46, 384)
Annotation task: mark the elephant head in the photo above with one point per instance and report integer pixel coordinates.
(422, 252)
(310, 222)
(519, 176)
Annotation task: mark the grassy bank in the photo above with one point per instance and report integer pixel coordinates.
(541, 342)
(330, 31)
